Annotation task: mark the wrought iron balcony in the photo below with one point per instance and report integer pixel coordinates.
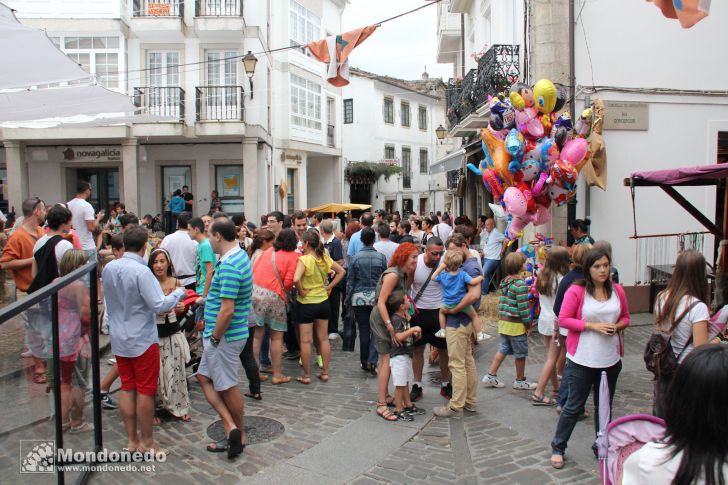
(161, 101)
(453, 177)
(219, 8)
(497, 69)
(159, 8)
(219, 103)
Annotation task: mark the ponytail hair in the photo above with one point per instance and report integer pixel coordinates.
(313, 239)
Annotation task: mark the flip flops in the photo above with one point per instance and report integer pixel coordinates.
(218, 446)
(235, 446)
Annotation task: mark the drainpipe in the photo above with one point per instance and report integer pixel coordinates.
(462, 45)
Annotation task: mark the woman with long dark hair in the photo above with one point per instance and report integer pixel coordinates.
(263, 240)
(695, 448)
(556, 266)
(313, 310)
(681, 312)
(594, 311)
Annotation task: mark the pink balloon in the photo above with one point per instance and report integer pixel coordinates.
(541, 215)
(575, 150)
(515, 201)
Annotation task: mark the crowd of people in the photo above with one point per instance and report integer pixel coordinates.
(217, 293)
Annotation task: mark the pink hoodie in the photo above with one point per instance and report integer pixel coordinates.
(570, 315)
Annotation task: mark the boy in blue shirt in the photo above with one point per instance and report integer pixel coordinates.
(454, 282)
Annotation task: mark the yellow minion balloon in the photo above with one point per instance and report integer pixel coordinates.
(544, 92)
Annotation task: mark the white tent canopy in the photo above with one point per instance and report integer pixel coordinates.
(30, 58)
(30, 63)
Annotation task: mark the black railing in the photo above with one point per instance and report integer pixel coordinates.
(497, 69)
(330, 138)
(219, 8)
(219, 103)
(159, 8)
(42, 307)
(453, 177)
(161, 101)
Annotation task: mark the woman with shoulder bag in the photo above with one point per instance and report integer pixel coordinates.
(594, 311)
(273, 272)
(681, 313)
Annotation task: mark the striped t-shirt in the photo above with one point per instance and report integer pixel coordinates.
(513, 305)
(233, 279)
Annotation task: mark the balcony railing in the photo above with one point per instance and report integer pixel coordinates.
(453, 177)
(219, 103)
(497, 69)
(159, 8)
(219, 8)
(330, 139)
(161, 101)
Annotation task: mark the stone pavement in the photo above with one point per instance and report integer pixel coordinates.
(332, 434)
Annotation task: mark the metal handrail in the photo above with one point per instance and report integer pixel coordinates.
(51, 291)
(220, 10)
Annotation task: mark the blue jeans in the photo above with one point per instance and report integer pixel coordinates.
(367, 352)
(265, 347)
(580, 381)
(490, 266)
(349, 330)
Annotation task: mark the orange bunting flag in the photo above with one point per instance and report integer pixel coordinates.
(687, 12)
(335, 52)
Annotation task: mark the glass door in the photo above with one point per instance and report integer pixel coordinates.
(229, 180)
(222, 93)
(164, 84)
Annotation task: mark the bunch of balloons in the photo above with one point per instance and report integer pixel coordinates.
(532, 156)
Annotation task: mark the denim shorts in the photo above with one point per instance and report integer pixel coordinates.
(516, 346)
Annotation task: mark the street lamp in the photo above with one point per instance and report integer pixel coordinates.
(249, 61)
(440, 132)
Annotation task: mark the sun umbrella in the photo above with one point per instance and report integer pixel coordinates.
(335, 207)
(604, 418)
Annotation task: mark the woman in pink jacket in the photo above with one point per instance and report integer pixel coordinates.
(595, 312)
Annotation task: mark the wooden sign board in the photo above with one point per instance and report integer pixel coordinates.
(626, 116)
(161, 9)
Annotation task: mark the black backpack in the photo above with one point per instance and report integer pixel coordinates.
(659, 356)
(45, 261)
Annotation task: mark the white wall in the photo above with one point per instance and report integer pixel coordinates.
(649, 51)
(77, 9)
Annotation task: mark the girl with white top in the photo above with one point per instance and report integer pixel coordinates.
(556, 266)
(594, 311)
(695, 448)
(681, 311)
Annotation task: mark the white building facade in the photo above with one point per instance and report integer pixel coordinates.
(182, 60)
(393, 121)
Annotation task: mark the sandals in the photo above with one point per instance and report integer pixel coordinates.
(235, 446)
(414, 411)
(404, 416)
(254, 395)
(557, 461)
(389, 400)
(81, 428)
(542, 401)
(280, 380)
(323, 377)
(304, 380)
(262, 377)
(218, 446)
(40, 378)
(384, 413)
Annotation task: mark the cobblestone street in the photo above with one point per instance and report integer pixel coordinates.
(332, 434)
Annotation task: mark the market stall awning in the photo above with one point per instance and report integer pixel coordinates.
(701, 175)
(456, 159)
(668, 179)
(30, 58)
(333, 207)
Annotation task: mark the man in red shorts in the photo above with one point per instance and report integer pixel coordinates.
(133, 299)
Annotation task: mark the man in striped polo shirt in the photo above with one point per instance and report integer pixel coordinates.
(226, 331)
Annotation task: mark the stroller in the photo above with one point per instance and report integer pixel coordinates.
(617, 440)
(188, 324)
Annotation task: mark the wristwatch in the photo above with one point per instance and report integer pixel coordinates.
(214, 341)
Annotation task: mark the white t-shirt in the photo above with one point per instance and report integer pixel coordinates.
(442, 231)
(183, 252)
(684, 329)
(492, 244)
(387, 248)
(60, 250)
(653, 464)
(597, 350)
(547, 316)
(431, 298)
(82, 211)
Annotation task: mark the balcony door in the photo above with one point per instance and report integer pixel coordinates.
(164, 96)
(222, 98)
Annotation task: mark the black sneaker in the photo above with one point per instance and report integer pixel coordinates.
(415, 393)
(291, 355)
(107, 402)
(404, 416)
(446, 391)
